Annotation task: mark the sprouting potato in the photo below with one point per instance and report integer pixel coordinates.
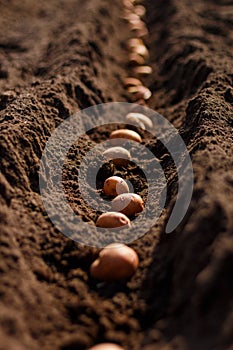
(115, 262)
(115, 185)
(126, 134)
(118, 155)
(138, 119)
(112, 219)
(129, 204)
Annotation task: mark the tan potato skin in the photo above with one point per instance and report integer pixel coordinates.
(115, 262)
(133, 42)
(106, 346)
(139, 118)
(112, 219)
(115, 185)
(140, 10)
(136, 59)
(129, 204)
(142, 92)
(142, 51)
(144, 70)
(126, 134)
(116, 154)
(132, 82)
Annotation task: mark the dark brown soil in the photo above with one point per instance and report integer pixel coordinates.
(57, 57)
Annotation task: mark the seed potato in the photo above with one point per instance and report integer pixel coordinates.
(106, 346)
(129, 204)
(140, 102)
(139, 118)
(132, 82)
(118, 155)
(131, 17)
(140, 10)
(112, 219)
(134, 42)
(128, 5)
(143, 70)
(142, 92)
(140, 31)
(141, 50)
(134, 89)
(136, 59)
(138, 25)
(126, 134)
(115, 262)
(115, 185)
(136, 122)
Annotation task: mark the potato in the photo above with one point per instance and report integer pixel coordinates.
(115, 185)
(133, 42)
(136, 122)
(140, 102)
(115, 262)
(106, 346)
(138, 25)
(131, 17)
(141, 92)
(118, 155)
(140, 10)
(138, 119)
(128, 5)
(136, 59)
(112, 219)
(126, 134)
(132, 82)
(141, 50)
(129, 204)
(140, 30)
(143, 70)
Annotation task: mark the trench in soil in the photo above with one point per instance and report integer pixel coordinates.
(63, 64)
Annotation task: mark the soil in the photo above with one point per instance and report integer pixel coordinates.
(56, 58)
